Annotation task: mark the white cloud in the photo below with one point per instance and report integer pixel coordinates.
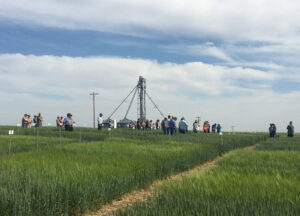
(206, 49)
(57, 85)
(229, 20)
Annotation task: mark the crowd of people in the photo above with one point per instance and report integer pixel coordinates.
(168, 125)
(66, 122)
(37, 121)
(273, 130)
(215, 128)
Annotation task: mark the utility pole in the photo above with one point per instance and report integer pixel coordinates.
(94, 114)
(199, 119)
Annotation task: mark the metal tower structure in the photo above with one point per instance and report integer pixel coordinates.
(141, 106)
(140, 90)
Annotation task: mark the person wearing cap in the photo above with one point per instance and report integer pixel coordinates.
(100, 121)
(68, 122)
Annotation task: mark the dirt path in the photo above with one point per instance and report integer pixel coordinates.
(141, 195)
(250, 147)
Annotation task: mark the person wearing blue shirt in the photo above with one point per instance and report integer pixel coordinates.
(68, 122)
(172, 124)
(219, 128)
(183, 126)
(214, 127)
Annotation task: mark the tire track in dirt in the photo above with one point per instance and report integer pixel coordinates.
(142, 194)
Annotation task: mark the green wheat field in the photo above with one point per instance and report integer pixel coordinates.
(47, 171)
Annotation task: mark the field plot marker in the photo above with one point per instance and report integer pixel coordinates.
(221, 134)
(80, 134)
(60, 136)
(11, 133)
(37, 139)
(18, 125)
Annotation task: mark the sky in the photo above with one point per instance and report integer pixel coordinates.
(233, 62)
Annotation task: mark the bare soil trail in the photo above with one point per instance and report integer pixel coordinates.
(142, 194)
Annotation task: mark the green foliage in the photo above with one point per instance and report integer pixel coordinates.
(281, 143)
(243, 183)
(52, 172)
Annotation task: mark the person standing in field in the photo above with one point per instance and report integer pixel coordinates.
(138, 124)
(195, 127)
(163, 125)
(208, 127)
(290, 128)
(135, 125)
(68, 122)
(175, 125)
(214, 127)
(130, 125)
(24, 121)
(219, 128)
(29, 121)
(272, 130)
(167, 124)
(143, 125)
(39, 121)
(172, 125)
(198, 126)
(100, 121)
(58, 123)
(157, 127)
(205, 125)
(183, 126)
(61, 121)
(34, 120)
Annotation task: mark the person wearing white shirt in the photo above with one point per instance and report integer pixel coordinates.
(100, 121)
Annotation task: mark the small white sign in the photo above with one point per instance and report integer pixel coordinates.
(221, 133)
(49, 124)
(19, 125)
(109, 129)
(11, 132)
